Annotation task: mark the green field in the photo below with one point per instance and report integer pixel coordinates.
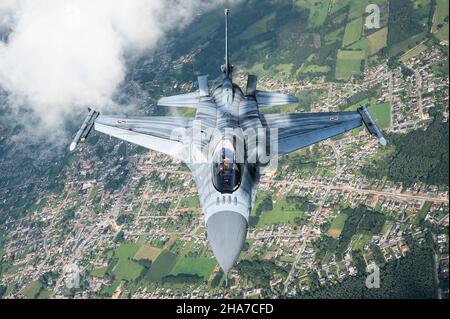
(352, 32)
(357, 8)
(338, 5)
(162, 266)
(423, 212)
(278, 217)
(334, 36)
(440, 13)
(315, 69)
(351, 55)
(147, 252)
(31, 291)
(127, 270)
(377, 41)
(442, 33)
(360, 241)
(381, 113)
(202, 267)
(362, 45)
(259, 27)
(318, 11)
(337, 225)
(126, 250)
(99, 272)
(44, 294)
(402, 47)
(345, 68)
(109, 290)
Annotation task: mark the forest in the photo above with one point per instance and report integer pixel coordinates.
(411, 277)
(419, 156)
(402, 21)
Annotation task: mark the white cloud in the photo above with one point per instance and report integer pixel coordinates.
(63, 55)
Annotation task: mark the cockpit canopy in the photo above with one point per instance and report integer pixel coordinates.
(226, 171)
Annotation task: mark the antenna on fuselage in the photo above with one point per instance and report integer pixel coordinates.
(227, 68)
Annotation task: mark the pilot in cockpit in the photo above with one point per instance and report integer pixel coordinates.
(226, 171)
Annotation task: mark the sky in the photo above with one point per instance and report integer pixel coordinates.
(64, 55)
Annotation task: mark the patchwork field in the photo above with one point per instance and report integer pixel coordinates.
(357, 8)
(440, 13)
(348, 63)
(202, 267)
(257, 28)
(162, 266)
(352, 32)
(147, 252)
(318, 11)
(377, 41)
(402, 47)
(334, 36)
(126, 250)
(127, 270)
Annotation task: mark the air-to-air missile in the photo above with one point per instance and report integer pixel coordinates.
(371, 125)
(85, 129)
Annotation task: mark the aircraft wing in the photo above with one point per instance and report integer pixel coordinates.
(268, 99)
(297, 130)
(159, 133)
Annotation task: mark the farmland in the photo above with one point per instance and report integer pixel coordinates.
(162, 266)
(352, 32)
(202, 267)
(318, 11)
(337, 225)
(377, 41)
(348, 64)
(32, 290)
(127, 270)
(381, 113)
(147, 252)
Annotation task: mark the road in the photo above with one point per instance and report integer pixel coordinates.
(386, 194)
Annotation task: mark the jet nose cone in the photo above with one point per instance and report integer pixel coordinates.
(226, 234)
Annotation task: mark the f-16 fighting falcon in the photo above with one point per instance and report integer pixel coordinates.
(228, 145)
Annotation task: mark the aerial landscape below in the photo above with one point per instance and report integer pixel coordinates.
(153, 196)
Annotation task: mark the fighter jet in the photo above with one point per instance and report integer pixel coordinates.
(228, 145)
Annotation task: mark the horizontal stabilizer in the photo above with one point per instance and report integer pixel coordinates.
(203, 85)
(252, 80)
(182, 100)
(268, 99)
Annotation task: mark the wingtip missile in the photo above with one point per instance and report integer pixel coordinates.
(371, 125)
(85, 129)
